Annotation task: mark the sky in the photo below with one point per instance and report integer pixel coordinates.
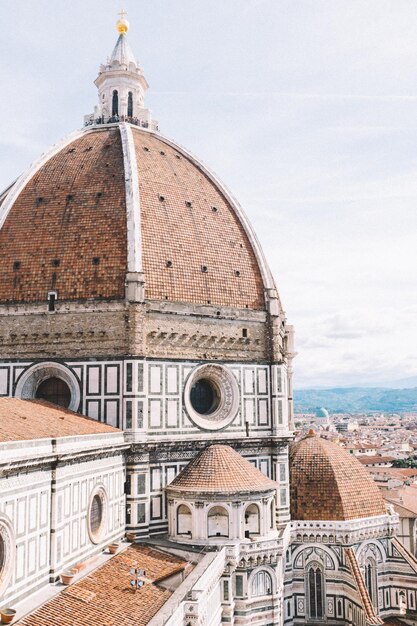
(307, 109)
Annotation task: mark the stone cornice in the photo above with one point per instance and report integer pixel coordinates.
(40, 462)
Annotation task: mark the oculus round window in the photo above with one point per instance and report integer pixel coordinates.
(204, 396)
(7, 553)
(211, 397)
(50, 381)
(54, 390)
(97, 513)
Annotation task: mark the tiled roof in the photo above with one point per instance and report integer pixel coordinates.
(327, 483)
(106, 597)
(184, 229)
(370, 460)
(407, 556)
(220, 469)
(59, 217)
(404, 497)
(67, 229)
(37, 419)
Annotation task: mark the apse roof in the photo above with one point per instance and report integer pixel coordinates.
(327, 483)
(219, 469)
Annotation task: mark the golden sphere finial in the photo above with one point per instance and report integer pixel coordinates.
(122, 25)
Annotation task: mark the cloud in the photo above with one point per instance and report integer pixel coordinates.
(306, 109)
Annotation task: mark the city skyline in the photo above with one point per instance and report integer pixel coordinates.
(307, 111)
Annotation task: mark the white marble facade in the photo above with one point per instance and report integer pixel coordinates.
(46, 492)
(146, 399)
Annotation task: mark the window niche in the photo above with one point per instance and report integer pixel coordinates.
(97, 514)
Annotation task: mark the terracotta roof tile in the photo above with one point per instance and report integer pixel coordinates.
(220, 469)
(326, 483)
(106, 597)
(184, 229)
(37, 419)
(410, 558)
(74, 209)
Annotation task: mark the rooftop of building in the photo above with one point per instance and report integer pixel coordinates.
(370, 460)
(221, 470)
(106, 596)
(23, 420)
(404, 498)
(328, 483)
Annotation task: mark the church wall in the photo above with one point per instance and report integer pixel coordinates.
(206, 333)
(151, 468)
(47, 508)
(25, 501)
(147, 397)
(114, 328)
(341, 600)
(78, 329)
(75, 484)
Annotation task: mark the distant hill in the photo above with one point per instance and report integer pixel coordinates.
(356, 400)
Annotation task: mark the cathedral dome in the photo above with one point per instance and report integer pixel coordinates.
(118, 211)
(119, 199)
(326, 483)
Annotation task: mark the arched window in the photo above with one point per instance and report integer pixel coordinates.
(339, 608)
(252, 520)
(184, 520)
(315, 591)
(370, 580)
(54, 390)
(2, 554)
(218, 522)
(261, 584)
(130, 104)
(115, 103)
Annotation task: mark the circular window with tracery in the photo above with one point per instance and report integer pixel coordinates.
(7, 553)
(97, 514)
(211, 397)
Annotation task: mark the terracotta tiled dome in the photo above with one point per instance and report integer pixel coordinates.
(66, 226)
(326, 483)
(220, 469)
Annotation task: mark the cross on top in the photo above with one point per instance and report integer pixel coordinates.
(122, 14)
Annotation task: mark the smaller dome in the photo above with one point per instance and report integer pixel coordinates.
(322, 412)
(326, 483)
(220, 469)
